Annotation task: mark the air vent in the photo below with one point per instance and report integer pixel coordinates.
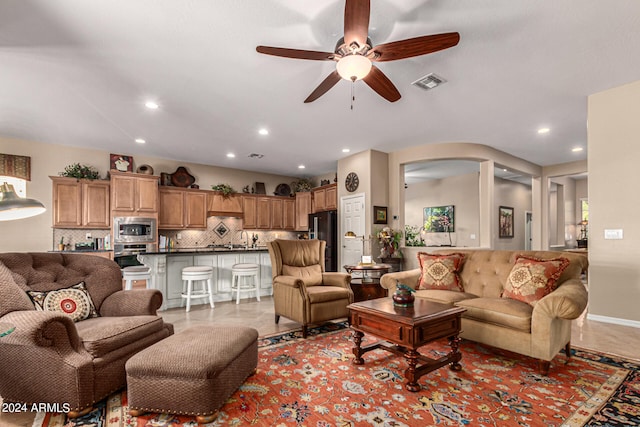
(430, 81)
(256, 156)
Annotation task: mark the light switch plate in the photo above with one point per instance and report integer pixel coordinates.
(613, 234)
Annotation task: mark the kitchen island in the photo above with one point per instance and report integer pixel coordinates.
(166, 269)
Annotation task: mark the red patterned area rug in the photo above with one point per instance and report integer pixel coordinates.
(312, 382)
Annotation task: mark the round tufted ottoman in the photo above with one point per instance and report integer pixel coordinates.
(193, 372)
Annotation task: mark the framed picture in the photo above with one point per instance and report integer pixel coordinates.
(121, 163)
(505, 222)
(439, 219)
(379, 214)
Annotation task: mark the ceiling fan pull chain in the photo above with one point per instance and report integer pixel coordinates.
(353, 94)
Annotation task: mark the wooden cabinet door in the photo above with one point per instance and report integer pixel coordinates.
(225, 263)
(146, 193)
(277, 215)
(219, 204)
(331, 197)
(171, 215)
(263, 215)
(250, 212)
(195, 209)
(319, 200)
(289, 214)
(302, 211)
(96, 212)
(67, 203)
(123, 193)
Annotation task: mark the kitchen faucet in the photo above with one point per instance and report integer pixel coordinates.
(246, 244)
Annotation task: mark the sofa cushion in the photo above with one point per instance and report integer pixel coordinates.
(311, 275)
(443, 296)
(326, 293)
(12, 298)
(73, 301)
(533, 278)
(499, 311)
(104, 334)
(439, 271)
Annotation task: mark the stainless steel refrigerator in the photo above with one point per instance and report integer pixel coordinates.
(324, 226)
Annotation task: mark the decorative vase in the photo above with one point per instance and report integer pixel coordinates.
(61, 246)
(403, 296)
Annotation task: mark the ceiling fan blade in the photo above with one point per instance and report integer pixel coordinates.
(382, 85)
(326, 84)
(414, 47)
(296, 53)
(356, 21)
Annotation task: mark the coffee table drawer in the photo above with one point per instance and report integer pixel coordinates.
(436, 330)
(378, 326)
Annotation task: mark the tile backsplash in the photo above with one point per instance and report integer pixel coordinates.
(222, 231)
(73, 236)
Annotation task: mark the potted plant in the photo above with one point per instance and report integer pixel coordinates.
(301, 185)
(76, 170)
(61, 244)
(225, 189)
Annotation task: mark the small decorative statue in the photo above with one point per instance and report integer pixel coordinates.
(403, 296)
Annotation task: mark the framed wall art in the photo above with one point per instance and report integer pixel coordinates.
(439, 219)
(505, 222)
(379, 214)
(121, 163)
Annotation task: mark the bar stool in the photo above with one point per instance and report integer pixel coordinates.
(194, 274)
(245, 270)
(136, 272)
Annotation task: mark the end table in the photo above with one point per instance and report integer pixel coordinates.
(366, 285)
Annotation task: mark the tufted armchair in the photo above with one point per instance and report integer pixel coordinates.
(302, 290)
(49, 358)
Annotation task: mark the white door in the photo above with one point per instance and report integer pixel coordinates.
(352, 219)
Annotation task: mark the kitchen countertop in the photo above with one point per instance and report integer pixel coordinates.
(204, 250)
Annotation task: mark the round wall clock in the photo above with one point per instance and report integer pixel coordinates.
(352, 181)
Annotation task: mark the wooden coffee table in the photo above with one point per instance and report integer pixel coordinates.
(404, 330)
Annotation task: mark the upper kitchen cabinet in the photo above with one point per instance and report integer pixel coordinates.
(182, 208)
(302, 211)
(134, 194)
(80, 203)
(250, 212)
(221, 205)
(288, 214)
(325, 198)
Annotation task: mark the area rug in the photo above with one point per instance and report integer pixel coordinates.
(312, 382)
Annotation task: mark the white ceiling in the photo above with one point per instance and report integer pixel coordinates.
(77, 72)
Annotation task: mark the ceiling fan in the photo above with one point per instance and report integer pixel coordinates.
(354, 53)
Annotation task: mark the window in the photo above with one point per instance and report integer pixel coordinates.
(584, 209)
(19, 185)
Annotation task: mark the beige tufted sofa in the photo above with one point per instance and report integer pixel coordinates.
(539, 331)
(51, 359)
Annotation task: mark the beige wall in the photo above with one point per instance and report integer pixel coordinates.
(35, 234)
(614, 271)
(517, 196)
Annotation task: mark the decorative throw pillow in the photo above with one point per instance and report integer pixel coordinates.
(440, 271)
(73, 301)
(533, 278)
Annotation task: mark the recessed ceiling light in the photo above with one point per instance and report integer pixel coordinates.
(230, 155)
(140, 141)
(345, 150)
(543, 130)
(504, 170)
(301, 167)
(263, 131)
(576, 149)
(151, 105)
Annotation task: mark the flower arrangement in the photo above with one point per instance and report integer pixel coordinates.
(412, 235)
(301, 185)
(225, 189)
(389, 241)
(79, 171)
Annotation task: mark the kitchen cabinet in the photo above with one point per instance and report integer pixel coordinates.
(325, 198)
(249, 212)
(302, 211)
(81, 203)
(263, 213)
(221, 205)
(134, 194)
(225, 263)
(288, 214)
(175, 264)
(277, 214)
(182, 208)
(266, 279)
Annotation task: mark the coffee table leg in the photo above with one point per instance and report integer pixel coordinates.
(455, 354)
(357, 350)
(410, 373)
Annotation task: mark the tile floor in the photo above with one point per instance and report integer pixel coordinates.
(604, 337)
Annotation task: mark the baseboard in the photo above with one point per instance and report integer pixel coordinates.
(614, 320)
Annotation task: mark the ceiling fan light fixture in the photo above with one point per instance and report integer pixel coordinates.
(353, 67)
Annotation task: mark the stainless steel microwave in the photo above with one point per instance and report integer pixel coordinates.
(133, 229)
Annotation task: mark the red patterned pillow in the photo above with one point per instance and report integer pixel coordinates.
(73, 301)
(532, 278)
(438, 271)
